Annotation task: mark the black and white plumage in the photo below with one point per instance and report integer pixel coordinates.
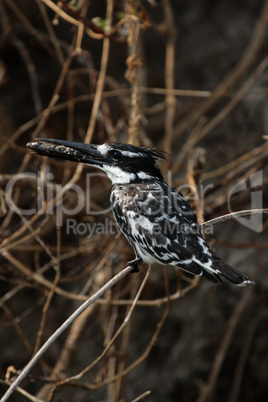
(156, 219)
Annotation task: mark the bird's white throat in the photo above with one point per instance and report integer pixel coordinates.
(116, 175)
(119, 176)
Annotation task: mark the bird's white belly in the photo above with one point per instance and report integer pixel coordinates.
(146, 257)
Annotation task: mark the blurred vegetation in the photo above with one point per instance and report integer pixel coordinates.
(186, 77)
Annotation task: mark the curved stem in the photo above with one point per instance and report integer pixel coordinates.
(62, 328)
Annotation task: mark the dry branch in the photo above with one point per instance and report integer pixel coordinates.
(62, 328)
(71, 98)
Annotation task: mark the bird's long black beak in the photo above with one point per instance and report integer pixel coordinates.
(68, 150)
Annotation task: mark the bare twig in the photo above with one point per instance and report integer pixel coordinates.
(142, 396)
(52, 35)
(235, 215)
(55, 97)
(60, 12)
(105, 350)
(50, 295)
(207, 389)
(68, 350)
(232, 78)
(31, 74)
(62, 328)
(169, 74)
(247, 342)
(98, 94)
(244, 161)
(81, 27)
(143, 357)
(222, 114)
(22, 392)
(28, 242)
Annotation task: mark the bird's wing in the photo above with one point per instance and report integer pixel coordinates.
(162, 222)
(161, 226)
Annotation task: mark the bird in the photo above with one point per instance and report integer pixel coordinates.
(156, 219)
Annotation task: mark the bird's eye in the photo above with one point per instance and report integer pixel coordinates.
(115, 154)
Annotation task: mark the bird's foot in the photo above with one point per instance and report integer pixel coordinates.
(135, 265)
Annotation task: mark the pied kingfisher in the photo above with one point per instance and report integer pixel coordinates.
(156, 219)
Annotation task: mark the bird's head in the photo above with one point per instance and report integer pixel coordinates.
(123, 163)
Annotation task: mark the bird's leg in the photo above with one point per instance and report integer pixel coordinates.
(135, 264)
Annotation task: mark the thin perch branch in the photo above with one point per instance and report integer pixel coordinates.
(63, 327)
(235, 215)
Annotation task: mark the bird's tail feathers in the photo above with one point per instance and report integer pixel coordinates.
(198, 269)
(229, 273)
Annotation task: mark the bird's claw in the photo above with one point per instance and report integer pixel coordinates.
(135, 265)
